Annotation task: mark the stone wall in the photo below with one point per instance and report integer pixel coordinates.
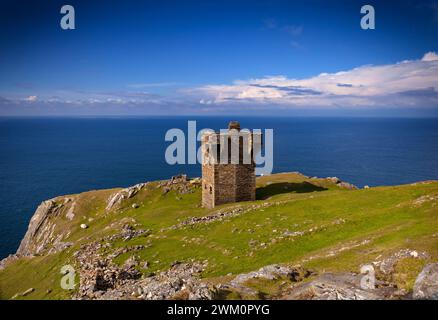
(245, 182)
(208, 186)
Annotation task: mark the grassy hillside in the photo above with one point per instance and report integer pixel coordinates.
(296, 220)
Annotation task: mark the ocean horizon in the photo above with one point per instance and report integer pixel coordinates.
(45, 157)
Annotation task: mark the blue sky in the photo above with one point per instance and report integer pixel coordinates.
(208, 57)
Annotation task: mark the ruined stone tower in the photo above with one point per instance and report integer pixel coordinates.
(228, 169)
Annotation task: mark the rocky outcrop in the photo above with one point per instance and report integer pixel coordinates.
(426, 284)
(270, 272)
(387, 264)
(38, 222)
(339, 286)
(180, 281)
(425, 199)
(220, 215)
(40, 236)
(180, 183)
(102, 279)
(98, 273)
(127, 193)
(8, 260)
(342, 184)
(347, 286)
(342, 286)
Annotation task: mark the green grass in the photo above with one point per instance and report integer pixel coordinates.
(386, 217)
(406, 271)
(40, 273)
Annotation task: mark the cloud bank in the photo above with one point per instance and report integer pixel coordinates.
(411, 83)
(406, 84)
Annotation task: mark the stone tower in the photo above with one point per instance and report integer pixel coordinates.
(228, 169)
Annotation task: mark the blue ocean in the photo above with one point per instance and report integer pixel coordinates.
(41, 158)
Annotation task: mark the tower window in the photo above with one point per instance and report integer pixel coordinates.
(211, 190)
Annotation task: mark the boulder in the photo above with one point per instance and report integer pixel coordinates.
(330, 286)
(28, 291)
(347, 185)
(335, 180)
(71, 212)
(426, 284)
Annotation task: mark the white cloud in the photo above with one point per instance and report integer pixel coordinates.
(430, 56)
(407, 83)
(410, 84)
(31, 98)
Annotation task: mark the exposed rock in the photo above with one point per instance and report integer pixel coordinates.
(84, 226)
(127, 193)
(181, 281)
(342, 286)
(288, 233)
(70, 213)
(347, 185)
(28, 291)
(40, 236)
(37, 223)
(201, 291)
(131, 262)
(8, 260)
(272, 272)
(179, 183)
(100, 278)
(60, 246)
(196, 181)
(335, 180)
(341, 183)
(426, 284)
(124, 250)
(128, 232)
(425, 199)
(135, 206)
(98, 273)
(220, 215)
(387, 265)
